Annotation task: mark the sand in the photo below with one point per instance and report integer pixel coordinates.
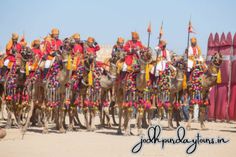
(106, 143)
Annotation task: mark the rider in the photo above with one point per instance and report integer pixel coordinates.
(91, 46)
(12, 48)
(132, 49)
(77, 50)
(38, 53)
(52, 47)
(163, 57)
(26, 53)
(77, 45)
(194, 54)
(35, 45)
(118, 47)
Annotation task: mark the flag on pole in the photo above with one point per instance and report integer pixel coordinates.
(161, 31)
(22, 38)
(149, 29)
(190, 27)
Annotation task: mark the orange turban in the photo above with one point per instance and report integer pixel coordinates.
(193, 40)
(90, 39)
(35, 42)
(14, 36)
(23, 43)
(162, 43)
(76, 36)
(135, 35)
(55, 31)
(120, 40)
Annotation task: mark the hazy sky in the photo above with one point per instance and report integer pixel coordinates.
(107, 19)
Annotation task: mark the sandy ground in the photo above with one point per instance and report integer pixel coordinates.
(106, 143)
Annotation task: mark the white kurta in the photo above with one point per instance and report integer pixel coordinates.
(191, 62)
(161, 65)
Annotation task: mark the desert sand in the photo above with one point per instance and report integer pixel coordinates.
(106, 143)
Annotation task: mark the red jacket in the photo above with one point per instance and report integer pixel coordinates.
(53, 45)
(38, 52)
(77, 49)
(10, 54)
(129, 45)
(92, 50)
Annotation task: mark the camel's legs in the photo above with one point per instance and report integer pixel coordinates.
(139, 121)
(46, 119)
(113, 112)
(61, 119)
(144, 119)
(177, 116)
(71, 119)
(93, 114)
(202, 116)
(86, 117)
(190, 118)
(127, 118)
(106, 114)
(9, 119)
(150, 116)
(120, 119)
(170, 117)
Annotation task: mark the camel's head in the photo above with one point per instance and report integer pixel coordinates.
(217, 59)
(178, 62)
(26, 54)
(120, 55)
(146, 55)
(89, 58)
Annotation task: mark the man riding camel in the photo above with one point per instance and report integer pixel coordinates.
(38, 53)
(52, 47)
(26, 53)
(118, 47)
(77, 50)
(35, 46)
(194, 55)
(12, 49)
(77, 44)
(163, 58)
(133, 49)
(91, 47)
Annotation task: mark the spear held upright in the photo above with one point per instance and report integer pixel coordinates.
(149, 30)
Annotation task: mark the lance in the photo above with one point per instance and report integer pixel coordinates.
(189, 31)
(159, 38)
(161, 32)
(149, 30)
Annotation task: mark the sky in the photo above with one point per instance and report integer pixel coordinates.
(105, 20)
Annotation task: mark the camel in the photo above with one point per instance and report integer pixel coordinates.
(123, 94)
(176, 90)
(108, 94)
(84, 93)
(59, 93)
(208, 79)
(16, 101)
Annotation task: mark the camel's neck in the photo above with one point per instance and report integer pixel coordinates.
(112, 69)
(64, 74)
(209, 78)
(140, 80)
(178, 81)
